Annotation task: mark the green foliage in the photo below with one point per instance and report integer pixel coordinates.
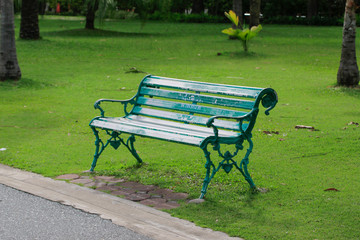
(314, 21)
(243, 34)
(188, 18)
(69, 7)
(105, 8)
(218, 7)
(325, 8)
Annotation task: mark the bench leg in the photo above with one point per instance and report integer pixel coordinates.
(227, 164)
(115, 141)
(243, 165)
(98, 150)
(208, 165)
(130, 146)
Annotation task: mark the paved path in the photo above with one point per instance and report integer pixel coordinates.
(138, 218)
(25, 216)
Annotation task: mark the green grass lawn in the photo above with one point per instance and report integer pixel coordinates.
(44, 120)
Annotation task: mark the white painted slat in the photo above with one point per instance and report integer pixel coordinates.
(189, 127)
(203, 87)
(185, 118)
(130, 129)
(198, 98)
(169, 126)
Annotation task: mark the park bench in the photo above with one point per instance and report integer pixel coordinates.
(188, 112)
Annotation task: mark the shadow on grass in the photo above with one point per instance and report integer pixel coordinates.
(24, 83)
(81, 32)
(242, 54)
(350, 91)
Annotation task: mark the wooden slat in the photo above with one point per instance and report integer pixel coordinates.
(206, 99)
(185, 118)
(203, 87)
(168, 126)
(189, 107)
(173, 137)
(205, 131)
(207, 83)
(158, 127)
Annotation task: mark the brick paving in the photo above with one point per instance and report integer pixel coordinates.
(149, 195)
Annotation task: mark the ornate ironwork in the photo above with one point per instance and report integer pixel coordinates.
(115, 141)
(227, 164)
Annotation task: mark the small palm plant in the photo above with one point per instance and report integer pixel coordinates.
(239, 32)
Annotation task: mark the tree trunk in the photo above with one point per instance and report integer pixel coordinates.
(312, 8)
(92, 7)
(9, 67)
(348, 73)
(237, 8)
(198, 6)
(29, 27)
(254, 13)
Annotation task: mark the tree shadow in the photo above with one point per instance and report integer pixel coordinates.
(243, 54)
(24, 83)
(350, 91)
(82, 32)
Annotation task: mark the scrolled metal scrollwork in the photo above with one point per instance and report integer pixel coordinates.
(269, 100)
(115, 141)
(228, 163)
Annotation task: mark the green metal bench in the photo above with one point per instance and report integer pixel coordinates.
(188, 112)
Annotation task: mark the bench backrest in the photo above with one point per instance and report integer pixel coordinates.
(194, 102)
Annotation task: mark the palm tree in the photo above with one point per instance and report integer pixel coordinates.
(348, 73)
(254, 13)
(238, 9)
(29, 27)
(9, 67)
(312, 8)
(97, 5)
(198, 6)
(92, 7)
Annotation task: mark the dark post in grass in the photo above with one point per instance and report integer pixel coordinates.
(29, 27)
(348, 73)
(9, 67)
(238, 9)
(92, 7)
(254, 13)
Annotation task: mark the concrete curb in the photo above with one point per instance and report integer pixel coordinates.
(139, 218)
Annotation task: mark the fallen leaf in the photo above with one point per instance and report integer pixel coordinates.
(134, 70)
(332, 189)
(271, 132)
(304, 127)
(281, 139)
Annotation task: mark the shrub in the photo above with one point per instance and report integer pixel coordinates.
(239, 32)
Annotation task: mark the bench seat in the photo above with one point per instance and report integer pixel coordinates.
(160, 129)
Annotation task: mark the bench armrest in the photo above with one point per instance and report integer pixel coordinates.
(123, 102)
(248, 116)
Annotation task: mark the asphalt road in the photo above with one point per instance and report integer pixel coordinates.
(25, 216)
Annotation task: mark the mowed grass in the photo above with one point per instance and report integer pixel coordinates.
(44, 120)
